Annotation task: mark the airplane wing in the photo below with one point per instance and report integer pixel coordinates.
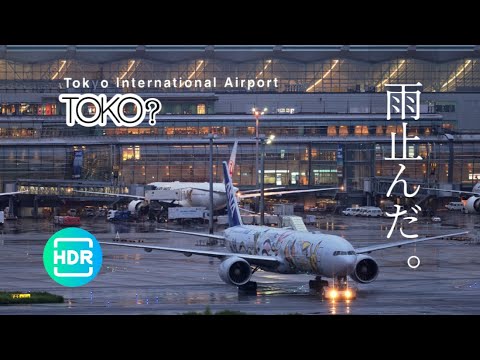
(110, 194)
(369, 249)
(245, 196)
(453, 191)
(252, 259)
(13, 193)
(257, 190)
(220, 237)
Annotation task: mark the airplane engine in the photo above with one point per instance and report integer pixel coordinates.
(136, 206)
(366, 270)
(473, 204)
(198, 197)
(235, 271)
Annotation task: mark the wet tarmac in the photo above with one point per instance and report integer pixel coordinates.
(133, 281)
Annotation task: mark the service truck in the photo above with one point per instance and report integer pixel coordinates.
(186, 214)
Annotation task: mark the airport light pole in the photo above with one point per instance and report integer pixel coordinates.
(257, 113)
(264, 140)
(210, 138)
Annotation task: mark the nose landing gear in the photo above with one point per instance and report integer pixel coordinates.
(338, 291)
(318, 284)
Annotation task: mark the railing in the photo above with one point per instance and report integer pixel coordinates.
(381, 185)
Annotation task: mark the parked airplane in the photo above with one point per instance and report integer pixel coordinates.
(162, 195)
(286, 251)
(472, 205)
(192, 194)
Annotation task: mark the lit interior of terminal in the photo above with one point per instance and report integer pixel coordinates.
(330, 100)
(246, 179)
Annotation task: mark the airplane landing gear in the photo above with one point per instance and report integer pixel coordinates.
(341, 283)
(318, 284)
(340, 291)
(249, 288)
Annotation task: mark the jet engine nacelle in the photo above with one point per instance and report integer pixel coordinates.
(365, 271)
(235, 271)
(198, 197)
(473, 204)
(136, 205)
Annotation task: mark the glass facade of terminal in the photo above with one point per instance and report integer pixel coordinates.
(222, 126)
(313, 148)
(306, 164)
(322, 73)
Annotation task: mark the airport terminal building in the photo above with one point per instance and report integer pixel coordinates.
(326, 106)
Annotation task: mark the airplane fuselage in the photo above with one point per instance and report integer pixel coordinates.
(299, 252)
(195, 194)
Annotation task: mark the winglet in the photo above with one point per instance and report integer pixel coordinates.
(234, 218)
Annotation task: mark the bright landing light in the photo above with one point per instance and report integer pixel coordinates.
(332, 294)
(348, 294)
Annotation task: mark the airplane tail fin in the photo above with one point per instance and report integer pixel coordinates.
(231, 163)
(234, 218)
(476, 188)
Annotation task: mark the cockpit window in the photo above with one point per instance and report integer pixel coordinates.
(337, 253)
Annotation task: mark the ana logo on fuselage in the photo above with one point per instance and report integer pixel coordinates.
(163, 188)
(231, 199)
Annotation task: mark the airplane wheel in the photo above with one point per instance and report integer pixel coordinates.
(249, 288)
(317, 285)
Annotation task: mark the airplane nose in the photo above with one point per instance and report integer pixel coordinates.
(350, 263)
(344, 265)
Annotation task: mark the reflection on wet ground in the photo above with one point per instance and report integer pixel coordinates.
(94, 225)
(135, 282)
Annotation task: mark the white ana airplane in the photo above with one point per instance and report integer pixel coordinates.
(194, 194)
(189, 194)
(472, 204)
(284, 251)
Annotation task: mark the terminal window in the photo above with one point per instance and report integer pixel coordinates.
(201, 109)
(131, 153)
